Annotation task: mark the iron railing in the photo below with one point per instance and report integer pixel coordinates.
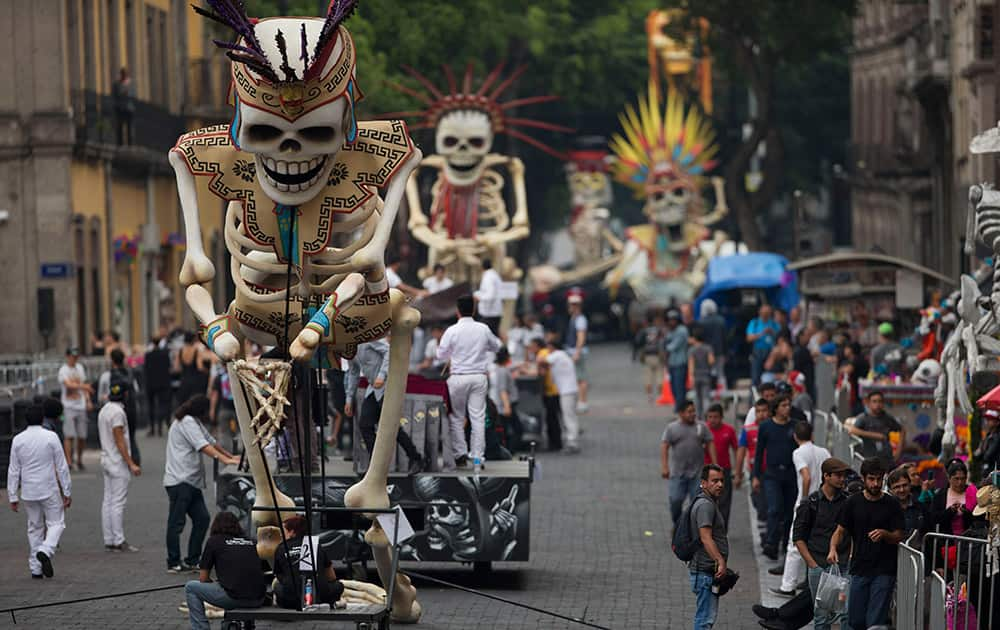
(97, 123)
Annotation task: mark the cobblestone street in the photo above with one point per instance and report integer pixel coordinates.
(599, 541)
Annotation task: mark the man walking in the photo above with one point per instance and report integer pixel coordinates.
(558, 365)
(117, 464)
(773, 465)
(873, 427)
(75, 399)
(709, 561)
(576, 345)
(762, 332)
(691, 442)
(815, 521)
(724, 439)
(468, 344)
(713, 327)
(488, 296)
(372, 362)
(874, 521)
(676, 348)
(38, 478)
(550, 396)
(808, 460)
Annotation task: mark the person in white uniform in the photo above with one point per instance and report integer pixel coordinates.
(490, 305)
(38, 479)
(117, 464)
(562, 369)
(470, 346)
(808, 459)
(438, 281)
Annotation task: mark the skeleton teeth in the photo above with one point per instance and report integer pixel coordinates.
(293, 168)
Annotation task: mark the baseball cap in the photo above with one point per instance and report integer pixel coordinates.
(885, 328)
(991, 413)
(834, 465)
(574, 298)
(673, 314)
(73, 351)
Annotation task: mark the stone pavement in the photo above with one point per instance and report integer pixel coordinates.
(599, 541)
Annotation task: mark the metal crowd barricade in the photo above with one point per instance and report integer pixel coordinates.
(821, 428)
(954, 561)
(909, 586)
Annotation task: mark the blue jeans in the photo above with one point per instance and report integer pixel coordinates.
(185, 501)
(757, 358)
(780, 496)
(681, 488)
(823, 619)
(197, 593)
(707, 602)
(869, 599)
(678, 383)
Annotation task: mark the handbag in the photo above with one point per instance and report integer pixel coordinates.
(724, 584)
(831, 594)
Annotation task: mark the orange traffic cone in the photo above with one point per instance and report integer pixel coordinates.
(666, 394)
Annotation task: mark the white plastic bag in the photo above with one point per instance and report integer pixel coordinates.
(832, 591)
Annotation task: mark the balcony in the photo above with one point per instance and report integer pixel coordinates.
(208, 90)
(154, 131)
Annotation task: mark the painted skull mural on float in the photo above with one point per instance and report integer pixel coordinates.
(449, 522)
(464, 138)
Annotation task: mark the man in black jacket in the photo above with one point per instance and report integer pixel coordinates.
(156, 376)
(988, 453)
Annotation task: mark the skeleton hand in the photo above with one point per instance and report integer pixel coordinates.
(305, 344)
(504, 521)
(226, 346)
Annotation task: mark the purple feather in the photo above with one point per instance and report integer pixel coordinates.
(336, 13)
(237, 48)
(304, 47)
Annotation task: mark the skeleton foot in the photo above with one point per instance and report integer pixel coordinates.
(405, 607)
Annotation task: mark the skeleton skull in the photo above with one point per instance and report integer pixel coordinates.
(464, 138)
(449, 527)
(669, 204)
(293, 158)
(588, 188)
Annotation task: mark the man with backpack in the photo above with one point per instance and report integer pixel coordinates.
(683, 448)
(700, 540)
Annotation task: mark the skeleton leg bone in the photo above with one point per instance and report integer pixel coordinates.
(263, 497)
(370, 492)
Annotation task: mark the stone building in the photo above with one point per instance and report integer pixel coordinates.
(923, 83)
(90, 231)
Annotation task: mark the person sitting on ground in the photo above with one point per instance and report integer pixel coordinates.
(241, 582)
(326, 587)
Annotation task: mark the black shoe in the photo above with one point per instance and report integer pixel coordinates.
(417, 465)
(781, 592)
(764, 612)
(46, 563)
(778, 570)
(37, 576)
(462, 461)
(771, 553)
(774, 624)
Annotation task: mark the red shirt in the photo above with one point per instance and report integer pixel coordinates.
(724, 438)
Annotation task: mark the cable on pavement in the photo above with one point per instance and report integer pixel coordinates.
(86, 599)
(421, 576)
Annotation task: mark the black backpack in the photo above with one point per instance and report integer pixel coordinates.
(686, 541)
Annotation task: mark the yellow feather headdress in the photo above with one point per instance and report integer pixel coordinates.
(663, 149)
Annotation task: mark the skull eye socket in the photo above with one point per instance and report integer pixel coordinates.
(318, 134)
(450, 141)
(679, 192)
(477, 142)
(263, 133)
(659, 196)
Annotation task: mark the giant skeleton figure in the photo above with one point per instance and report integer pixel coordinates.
(664, 154)
(468, 219)
(307, 233)
(973, 346)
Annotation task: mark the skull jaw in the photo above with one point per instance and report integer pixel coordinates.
(464, 172)
(306, 193)
(669, 219)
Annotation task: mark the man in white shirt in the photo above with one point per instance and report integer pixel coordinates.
(431, 362)
(75, 399)
(395, 282)
(38, 478)
(438, 281)
(563, 372)
(808, 460)
(490, 305)
(576, 344)
(470, 346)
(117, 464)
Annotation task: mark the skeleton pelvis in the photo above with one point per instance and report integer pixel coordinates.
(369, 318)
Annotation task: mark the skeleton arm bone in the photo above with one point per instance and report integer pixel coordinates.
(197, 267)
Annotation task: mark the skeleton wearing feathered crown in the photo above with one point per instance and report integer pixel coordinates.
(306, 231)
(468, 219)
(664, 155)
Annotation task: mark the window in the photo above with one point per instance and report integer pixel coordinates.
(130, 61)
(89, 68)
(113, 30)
(984, 33)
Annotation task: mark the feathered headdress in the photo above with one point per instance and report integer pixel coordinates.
(282, 82)
(660, 151)
(486, 98)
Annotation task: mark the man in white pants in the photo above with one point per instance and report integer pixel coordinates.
(117, 464)
(808, 459)
(38, 478)
(75, 400)
(563, 372)
(470, 346)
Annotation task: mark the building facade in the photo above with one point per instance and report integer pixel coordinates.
(91, 237)
(923, 84)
